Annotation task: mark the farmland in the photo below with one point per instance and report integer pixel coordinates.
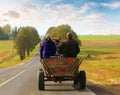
(102, 60)
(6, 50)
(99, 37)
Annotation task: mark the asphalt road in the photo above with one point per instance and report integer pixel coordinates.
(22, 80)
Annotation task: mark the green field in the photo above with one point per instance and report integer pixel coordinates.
(101, 56)
(6, 50)
(99, 37)
(6, 45)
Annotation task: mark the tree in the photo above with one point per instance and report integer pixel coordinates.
(7, 31)
(33, 33)
(61, 31)
(51, 31)
(26, 40)
(20, 43)
(1, 34)
(14, 33)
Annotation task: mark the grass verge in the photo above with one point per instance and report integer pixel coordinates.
(13, 61)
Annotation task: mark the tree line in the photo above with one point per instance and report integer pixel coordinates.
(7, 33)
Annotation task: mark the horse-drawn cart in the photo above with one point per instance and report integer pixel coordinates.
(61, 69)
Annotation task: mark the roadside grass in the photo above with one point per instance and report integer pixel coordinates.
(8, 55)
(13, 61)
(102, 63)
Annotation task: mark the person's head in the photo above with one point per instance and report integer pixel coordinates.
(47, 37)
(69, 35)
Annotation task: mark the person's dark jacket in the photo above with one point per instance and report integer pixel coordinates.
(69, 48)
(47, 49)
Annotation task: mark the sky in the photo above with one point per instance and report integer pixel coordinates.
(86, 17)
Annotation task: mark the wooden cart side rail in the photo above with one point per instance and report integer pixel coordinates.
(47, 70)
(75, 65)
(74, 70)
(78, 65)
(80, 61)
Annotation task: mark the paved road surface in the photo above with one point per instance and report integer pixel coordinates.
(22, 80)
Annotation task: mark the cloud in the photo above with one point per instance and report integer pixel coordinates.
(12, 14)
(91, 23)
(58, 12)
(67, 12)
(30, 14)
(55, 1)
(60, 9)
(87, 6)
(30, 8)
(95, 19)
(113, 5)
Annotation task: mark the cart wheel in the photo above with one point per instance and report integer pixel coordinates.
(76, 79)
(82, 79)
(75, 82)
(41, 83)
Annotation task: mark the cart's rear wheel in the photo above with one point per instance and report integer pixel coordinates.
(76, 79)
(82, 79)
(41, 83)
(75, 82)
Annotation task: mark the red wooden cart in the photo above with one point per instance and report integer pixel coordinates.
(61, 69)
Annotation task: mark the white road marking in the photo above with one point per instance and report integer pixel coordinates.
(12, 78)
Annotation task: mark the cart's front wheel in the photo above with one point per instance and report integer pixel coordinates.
(82, 79)
(41, 83)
